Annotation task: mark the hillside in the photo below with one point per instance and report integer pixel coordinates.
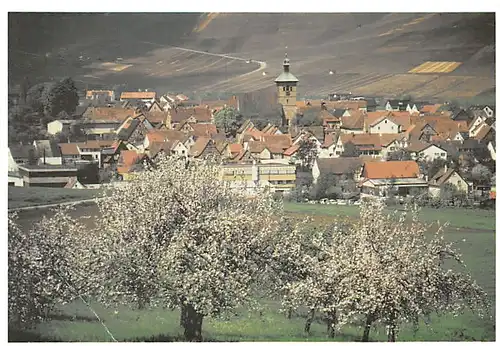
(449, 55)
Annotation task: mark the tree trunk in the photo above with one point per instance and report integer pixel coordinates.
(192, 324)
(183, 315)
(391, 335)
(366, 332)
(289, 314)
(332, 323)
(310, 318)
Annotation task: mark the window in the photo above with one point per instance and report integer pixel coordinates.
(291, 88)
(392, 127)
(284, 89)
(385, 121)
(378, 128)
(443, 154)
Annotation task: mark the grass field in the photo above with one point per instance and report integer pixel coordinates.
(476, 242)
(76, 323)
(19, 197)
(457, 218)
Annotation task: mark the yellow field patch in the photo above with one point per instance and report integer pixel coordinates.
(114, 66)
(436, 67)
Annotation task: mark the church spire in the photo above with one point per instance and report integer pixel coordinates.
(286, 63)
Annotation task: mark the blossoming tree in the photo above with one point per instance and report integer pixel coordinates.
(178, 236)
(388, 269)
(43, 267)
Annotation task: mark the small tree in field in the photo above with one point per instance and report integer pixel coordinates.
(189, 241)
(399, 275)
(43, 268)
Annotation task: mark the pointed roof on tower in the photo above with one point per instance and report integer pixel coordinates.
(286, 76)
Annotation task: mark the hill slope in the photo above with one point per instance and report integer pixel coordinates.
(370, 53)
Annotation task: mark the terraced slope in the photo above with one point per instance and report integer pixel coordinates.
(377, 54)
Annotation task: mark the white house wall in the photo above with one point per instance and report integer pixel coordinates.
(385, 126)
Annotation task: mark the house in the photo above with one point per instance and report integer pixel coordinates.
(131, 162)
(58, 126)
(101, 95)
(342, 167)
(397, 105)
(108, 113)
(92, 150)
(133, 130)
(199, 130)
(257, 149)
(203, 148)
(48, 152)
(447, 176)
(143, 96)
(489, 111)
(385, 177)
(279, 178)
(69, 152)
(426, 151)
(430, 109)
(382, 125)
(375, 145)
(486, 134)
(199, 115)
(328, 147)
(47, 175)
(412, 108)
(352, 122)
(74, 183)
(14, 178)
(21, 154)
(492, 149)
(174, 147)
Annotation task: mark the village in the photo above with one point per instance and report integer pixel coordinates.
(332, 150)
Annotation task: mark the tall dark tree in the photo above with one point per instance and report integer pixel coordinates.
(350, 150)
(307, 152)
(62, 96)
(430, 168)
(481, 175)
(399, 155)
(229, 120)
(35, 97)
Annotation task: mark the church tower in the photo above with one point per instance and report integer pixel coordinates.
(287, 90)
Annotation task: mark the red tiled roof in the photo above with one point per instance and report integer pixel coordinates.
(235, 147)
(283, 141)
(199, 146)
(128, 158)
(156, 136)
(391, 169)
(69, 148)
(292, 150)
(201, 114)
(204, 129)
(109, 113)
(97, 144)
(430, 108)
(138, 95)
